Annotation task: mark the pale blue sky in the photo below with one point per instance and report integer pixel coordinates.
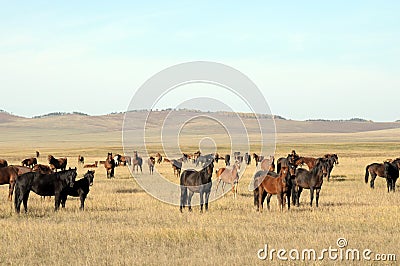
(311, 59)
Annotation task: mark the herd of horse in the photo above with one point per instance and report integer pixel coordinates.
(286, 178)
(45, 180)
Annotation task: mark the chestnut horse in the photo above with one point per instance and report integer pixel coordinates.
(81, 159)
(8, 175)
(43, 169)
(109, 164)
(309, 161)
(229, 175)
(279, 186)
(57, 163)
(159, 158)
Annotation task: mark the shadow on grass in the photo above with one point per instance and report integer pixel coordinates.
(129, 191)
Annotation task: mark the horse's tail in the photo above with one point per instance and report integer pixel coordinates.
(367, 173)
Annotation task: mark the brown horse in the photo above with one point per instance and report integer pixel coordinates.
(229, 175)
(109, 164)
(151, 162)
(268, 164)
(123, 160)
(43, 169)
(57, 163)
(8, 175)
(29, 162)
(275, 186)
(37, 154)
(332, 160)
(309, 161)
(3, 163)
(91, 165)
(23, 169)
(159, 158)
(177, 166)
(257, 158)
(311, 180)
(377, 169)
(137, 162)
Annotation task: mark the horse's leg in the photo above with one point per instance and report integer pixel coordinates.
(388, 184)
(287, 194)
(63, 200)
(299, 190)
(201, 199)
(311, 195)
(207, 197)
(190, 200)
(82, 197)
(260, 198)
(281, 201)
(216, 189)
(268, 200)
(317, 196)
(394, 184)
(183, 198)
(11, 190)
(57, 201)
(373, 176)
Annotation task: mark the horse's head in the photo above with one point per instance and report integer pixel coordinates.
(90, 176)
(50, 157)
(292, 169)
(322, 164)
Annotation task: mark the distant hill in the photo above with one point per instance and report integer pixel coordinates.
(8, 117)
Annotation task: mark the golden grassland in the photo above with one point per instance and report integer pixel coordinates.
(123, 225)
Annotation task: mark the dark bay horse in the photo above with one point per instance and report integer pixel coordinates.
(230, 176)
(151, 162)
(392, 174)
(3, 163)
(332, 160)
(159, 158)
(8, 175)
(137, 162)
(177, 166)
(80, 189)
(257, 158)
(196, 182)
(311, 180)
(57, 163)
(81, 159)
(109, 164)
(44, 185)
(29, 162)
(279, 186)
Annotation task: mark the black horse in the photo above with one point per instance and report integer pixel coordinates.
(311, 180)
(54, 184)
(196, 182)
(247, 158)
(392, 174)
(80, 189)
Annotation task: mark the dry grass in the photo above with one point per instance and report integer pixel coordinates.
(124, 225)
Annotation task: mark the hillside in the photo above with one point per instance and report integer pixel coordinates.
(50, 130)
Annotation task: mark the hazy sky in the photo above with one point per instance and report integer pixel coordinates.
(311, 59)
